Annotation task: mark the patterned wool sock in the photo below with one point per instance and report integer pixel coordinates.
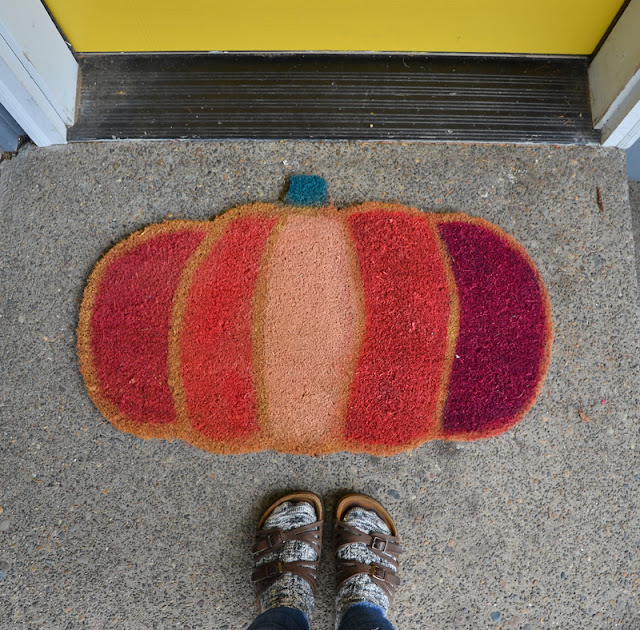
(289, 589)
(361, 588)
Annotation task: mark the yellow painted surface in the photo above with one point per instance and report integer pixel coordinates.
(492, 26)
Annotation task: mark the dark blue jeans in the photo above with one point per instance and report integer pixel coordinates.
(363, 616)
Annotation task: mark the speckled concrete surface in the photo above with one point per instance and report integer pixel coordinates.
(539, 528)
(634, 201)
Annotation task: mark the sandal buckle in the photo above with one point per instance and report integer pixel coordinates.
(273, 569)
(379, 544)
(275, 539)
(378, 571)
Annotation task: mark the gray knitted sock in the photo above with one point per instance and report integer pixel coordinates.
(361, 587)
(290, 589)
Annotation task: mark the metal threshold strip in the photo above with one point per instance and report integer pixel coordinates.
(334, 97)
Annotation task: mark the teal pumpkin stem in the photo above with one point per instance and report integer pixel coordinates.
(307, 191)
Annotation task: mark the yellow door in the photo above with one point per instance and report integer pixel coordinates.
(569, 27)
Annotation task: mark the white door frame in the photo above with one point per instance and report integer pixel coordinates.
(38, 72)
(614, 78)
(39, 76)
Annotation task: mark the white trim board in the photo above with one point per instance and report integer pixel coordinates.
(623, 128)
(614, 78)
(38, 73)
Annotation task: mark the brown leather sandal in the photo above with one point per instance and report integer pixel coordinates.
(385, 546)
(271, 540)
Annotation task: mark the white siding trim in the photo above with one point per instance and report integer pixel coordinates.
(623, 128)
(38, 74)
(614, 78)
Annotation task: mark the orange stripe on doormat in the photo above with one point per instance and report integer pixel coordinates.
(216, 353)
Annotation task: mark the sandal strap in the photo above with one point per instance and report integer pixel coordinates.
(385, 577)
(271, 540)
(383, 545)
(266, 574)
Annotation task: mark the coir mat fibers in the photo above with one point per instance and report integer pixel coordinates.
(306, 329)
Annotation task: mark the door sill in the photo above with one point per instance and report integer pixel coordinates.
(310, 96)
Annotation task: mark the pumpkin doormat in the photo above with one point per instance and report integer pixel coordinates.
(307, 329)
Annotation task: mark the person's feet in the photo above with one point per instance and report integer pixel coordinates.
(366, 548)
(287, 552)
(288, 545)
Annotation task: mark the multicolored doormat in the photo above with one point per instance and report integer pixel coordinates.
(307, 329)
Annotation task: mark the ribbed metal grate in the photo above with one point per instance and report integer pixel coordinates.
(313, 96)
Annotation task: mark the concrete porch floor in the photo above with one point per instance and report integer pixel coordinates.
(540, 526)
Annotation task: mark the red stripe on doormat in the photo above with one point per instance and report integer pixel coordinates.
(216, 351)
(400, 368)
(504, 331)
(130, 326)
